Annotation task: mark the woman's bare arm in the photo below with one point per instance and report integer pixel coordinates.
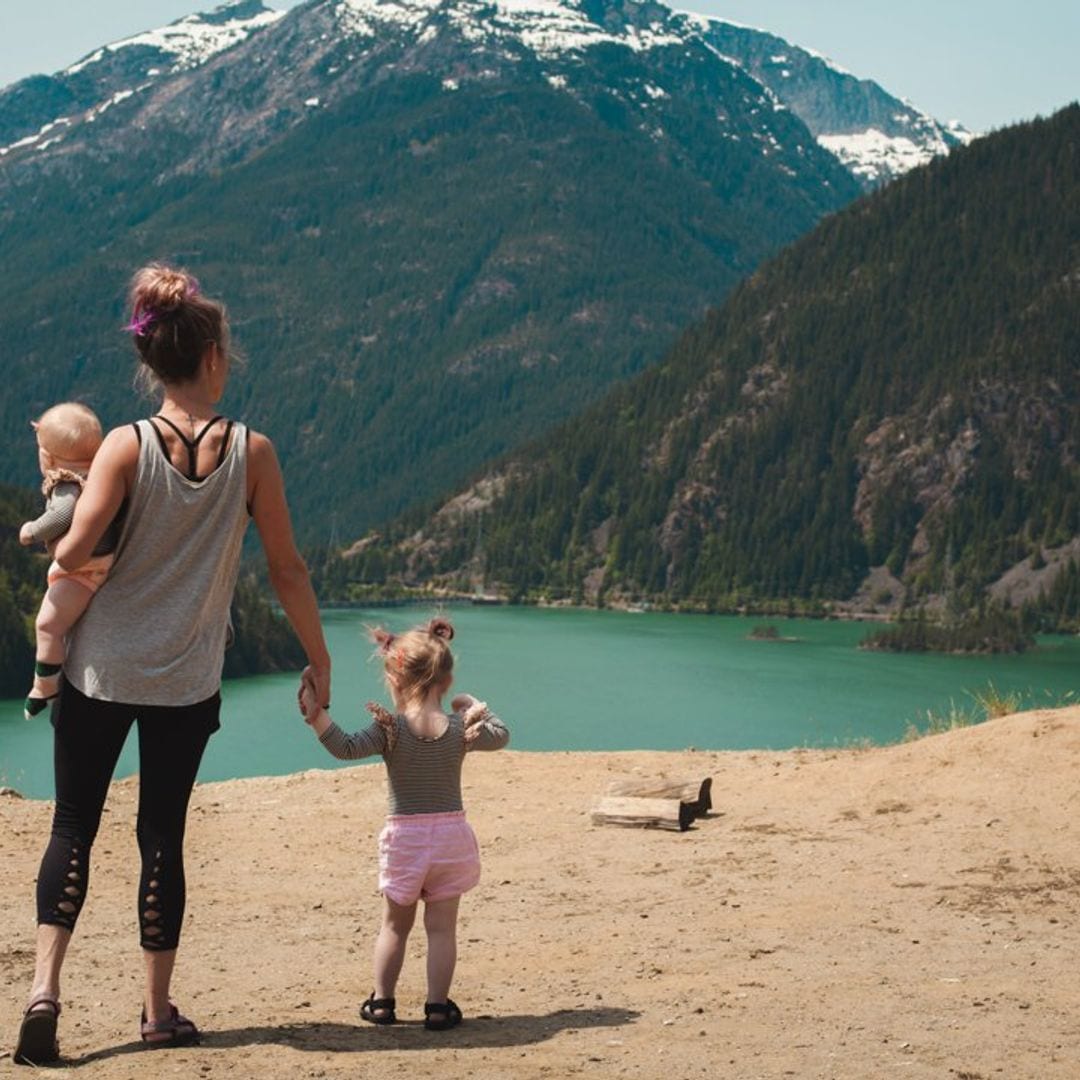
(288, 571)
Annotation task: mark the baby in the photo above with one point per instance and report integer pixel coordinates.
(68, 437)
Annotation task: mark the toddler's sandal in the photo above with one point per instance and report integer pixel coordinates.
(379, 1010)
(176, 1030)
(439, 1016)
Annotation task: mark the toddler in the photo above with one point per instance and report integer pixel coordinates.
(427, 850)
(68, 437)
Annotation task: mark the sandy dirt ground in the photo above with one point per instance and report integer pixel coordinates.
(910, 912)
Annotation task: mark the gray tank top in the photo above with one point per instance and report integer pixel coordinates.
(155, 632)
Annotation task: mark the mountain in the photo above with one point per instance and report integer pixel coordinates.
(874, 134)
(441, 227)
(35, 112)
(888, 412)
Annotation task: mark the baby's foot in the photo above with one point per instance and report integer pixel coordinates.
(46, 687)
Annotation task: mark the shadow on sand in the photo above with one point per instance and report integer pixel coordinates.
(479, 1031)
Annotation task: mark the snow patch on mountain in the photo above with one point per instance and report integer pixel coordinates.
(875, 156)
(548, 28)
(191, 40)
(39, 140)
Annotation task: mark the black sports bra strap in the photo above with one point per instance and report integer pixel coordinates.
(192, 445)
(224, 442)
(207, 426)
(161, 439)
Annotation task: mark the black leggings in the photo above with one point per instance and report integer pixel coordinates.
(89, 735)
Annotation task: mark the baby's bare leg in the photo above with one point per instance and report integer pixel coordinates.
(61, 609)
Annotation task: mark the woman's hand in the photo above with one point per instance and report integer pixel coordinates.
(318, 678)
(26, 537)
(309, 702)
(311, 709)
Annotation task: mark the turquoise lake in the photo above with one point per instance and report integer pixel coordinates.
(606, 680)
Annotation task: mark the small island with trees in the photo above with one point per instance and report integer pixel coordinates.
(769, 632)
(993, 629)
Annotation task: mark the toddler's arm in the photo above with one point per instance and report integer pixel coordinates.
(56, 520)
(361, 744)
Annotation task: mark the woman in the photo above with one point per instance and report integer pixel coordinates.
(149, 649)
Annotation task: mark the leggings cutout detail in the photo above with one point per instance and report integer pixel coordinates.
(89, 735)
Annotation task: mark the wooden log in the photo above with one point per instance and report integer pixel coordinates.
(644, 813)
(697, 793)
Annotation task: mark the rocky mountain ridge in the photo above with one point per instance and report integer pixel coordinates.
(875, 135)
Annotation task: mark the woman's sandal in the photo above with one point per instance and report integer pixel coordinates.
(440, 1017)
(177, 1030)
(379, 1010)
(37, 1043)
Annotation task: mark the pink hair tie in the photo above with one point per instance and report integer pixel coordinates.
(140, 324)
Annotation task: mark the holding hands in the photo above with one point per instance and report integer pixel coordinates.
(309, 701)
(315, 715)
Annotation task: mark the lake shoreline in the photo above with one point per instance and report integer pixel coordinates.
(638, 682)
(453, 599)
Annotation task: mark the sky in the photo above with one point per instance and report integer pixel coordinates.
(986, 63)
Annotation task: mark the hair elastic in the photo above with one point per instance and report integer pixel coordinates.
(140, 324)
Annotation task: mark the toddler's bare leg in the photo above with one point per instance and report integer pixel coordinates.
(440, 922)
(64, 603)
(390, 945)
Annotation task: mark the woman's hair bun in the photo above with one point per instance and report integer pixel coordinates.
(161, 288)
(441, 628)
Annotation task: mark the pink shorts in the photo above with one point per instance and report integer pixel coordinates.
(427, 856)
(91, 575)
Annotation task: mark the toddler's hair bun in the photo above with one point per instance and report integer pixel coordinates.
(383, 638)
(161, 288)
(441, 628)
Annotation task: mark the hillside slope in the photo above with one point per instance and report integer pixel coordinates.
(898, 390)
(441, 227)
